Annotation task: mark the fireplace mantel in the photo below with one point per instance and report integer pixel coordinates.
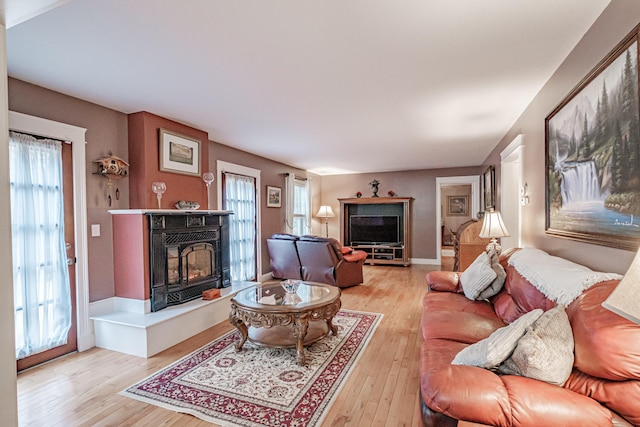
(166, 212)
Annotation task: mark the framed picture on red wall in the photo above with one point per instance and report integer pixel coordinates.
(179, 153)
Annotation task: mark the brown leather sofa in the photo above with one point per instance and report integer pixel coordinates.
(602, 390)
(283, 253)
(315, 259)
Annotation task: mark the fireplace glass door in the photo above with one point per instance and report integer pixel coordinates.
(198, 263)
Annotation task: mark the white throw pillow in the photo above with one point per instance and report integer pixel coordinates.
(477, 277)
(497, 284)
(497, 347)
(545, 352)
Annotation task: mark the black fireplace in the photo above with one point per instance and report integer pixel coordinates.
(189, 253)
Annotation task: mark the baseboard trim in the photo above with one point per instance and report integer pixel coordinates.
(424, 261)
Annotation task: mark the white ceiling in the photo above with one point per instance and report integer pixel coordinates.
(332, 86)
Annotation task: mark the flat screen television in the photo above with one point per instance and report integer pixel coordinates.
(374, 229)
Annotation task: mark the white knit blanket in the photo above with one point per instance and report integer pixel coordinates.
(558, 279)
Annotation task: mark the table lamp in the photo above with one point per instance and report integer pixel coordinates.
(325, 212)
(492, 228)
(625, 298)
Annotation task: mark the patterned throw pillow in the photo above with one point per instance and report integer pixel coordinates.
(493, 350)
(545, 352)
(477, 277)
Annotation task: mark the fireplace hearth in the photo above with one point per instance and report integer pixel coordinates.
(189, 253)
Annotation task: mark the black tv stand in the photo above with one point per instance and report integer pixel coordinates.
(397, 253)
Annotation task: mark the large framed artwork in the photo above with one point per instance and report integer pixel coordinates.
(179, 153)
(593, 155)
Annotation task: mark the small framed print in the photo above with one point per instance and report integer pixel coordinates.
(489, 187)
(274, 197)
(179, 153)
(458, 206)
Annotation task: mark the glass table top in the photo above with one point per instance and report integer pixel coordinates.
(273, 294)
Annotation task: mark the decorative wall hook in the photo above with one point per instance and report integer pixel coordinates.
(113, 168)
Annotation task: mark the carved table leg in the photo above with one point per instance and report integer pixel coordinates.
(333, 328)
(300, 326)
(240, 326)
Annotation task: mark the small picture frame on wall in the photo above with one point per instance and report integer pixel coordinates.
(458, 206)
(489, 188)
(179, 153)
(274, 197)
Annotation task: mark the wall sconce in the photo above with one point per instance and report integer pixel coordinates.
(524, 195)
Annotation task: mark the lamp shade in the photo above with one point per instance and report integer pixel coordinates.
(325, 212)
(493, 226)
(625, 298)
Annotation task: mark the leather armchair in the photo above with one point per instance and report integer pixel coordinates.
(285, 263)
(323, 261)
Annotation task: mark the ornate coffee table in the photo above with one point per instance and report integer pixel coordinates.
(267, 317)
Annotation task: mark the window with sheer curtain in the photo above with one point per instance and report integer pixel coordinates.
(42, 295)
(301, 208)
(240, 197)
(297, 205)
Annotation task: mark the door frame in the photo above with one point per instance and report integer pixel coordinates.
(76, 136)
(511, 189)
(474, 181)
(221, 167)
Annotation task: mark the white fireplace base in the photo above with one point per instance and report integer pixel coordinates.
(129, 327)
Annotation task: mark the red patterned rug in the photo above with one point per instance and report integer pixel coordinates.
(260, 386)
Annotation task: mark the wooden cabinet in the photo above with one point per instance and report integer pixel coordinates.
(384, 251)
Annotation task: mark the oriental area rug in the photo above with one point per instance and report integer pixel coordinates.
(261, 386)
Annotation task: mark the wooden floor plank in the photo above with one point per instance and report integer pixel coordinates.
(82, 389)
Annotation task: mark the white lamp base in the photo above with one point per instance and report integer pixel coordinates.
(494, 245)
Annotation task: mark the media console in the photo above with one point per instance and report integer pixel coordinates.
(380, 210)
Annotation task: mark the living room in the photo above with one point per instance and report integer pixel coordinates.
(107, 132)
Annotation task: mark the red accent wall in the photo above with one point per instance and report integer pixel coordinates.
(131, 256)
(144, 164)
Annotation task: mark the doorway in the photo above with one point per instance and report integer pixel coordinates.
(25, 123)
(238, 191)
(443, 185)
(44, 273)
(512, 190)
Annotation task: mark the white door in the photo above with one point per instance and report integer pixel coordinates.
(511, 185)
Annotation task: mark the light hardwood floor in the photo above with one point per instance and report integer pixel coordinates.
(82, 389)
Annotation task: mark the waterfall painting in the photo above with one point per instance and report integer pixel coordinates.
(593, 155)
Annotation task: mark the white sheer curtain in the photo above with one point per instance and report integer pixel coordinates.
(42, 297)
(302, 207)
(240, 197)
(289, 192)
(297, 205)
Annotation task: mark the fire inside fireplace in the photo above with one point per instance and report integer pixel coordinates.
(186, 257)
(196, 263)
